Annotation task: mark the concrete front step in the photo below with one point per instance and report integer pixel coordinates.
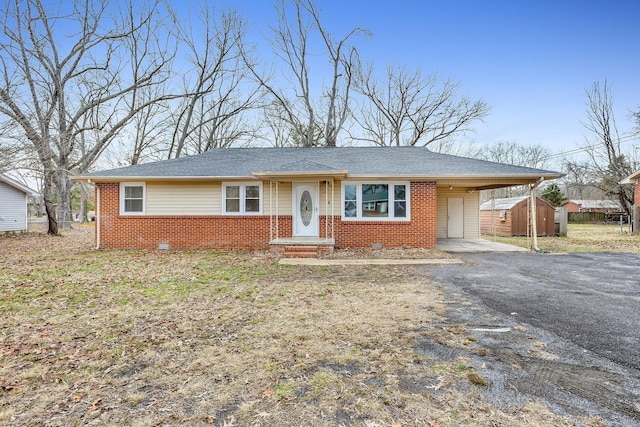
(305, 251)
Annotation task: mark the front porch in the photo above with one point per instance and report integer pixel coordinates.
(302, 247)
(302, 214)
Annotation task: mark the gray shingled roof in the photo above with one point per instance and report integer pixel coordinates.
(403, 162)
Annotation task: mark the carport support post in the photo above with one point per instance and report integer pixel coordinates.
(532, 216)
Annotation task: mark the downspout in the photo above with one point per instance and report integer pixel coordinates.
(534, 218)
(97, 216)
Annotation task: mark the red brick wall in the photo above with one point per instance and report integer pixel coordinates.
(636, 194)
(420, 232)
(571, 207)
(252, 232)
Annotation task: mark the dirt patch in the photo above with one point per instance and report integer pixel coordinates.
(147, 338)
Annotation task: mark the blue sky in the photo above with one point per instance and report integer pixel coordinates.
(531, 61)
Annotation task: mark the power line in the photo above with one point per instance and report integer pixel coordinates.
(588, 147)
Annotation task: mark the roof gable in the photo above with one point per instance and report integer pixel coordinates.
(15, 184)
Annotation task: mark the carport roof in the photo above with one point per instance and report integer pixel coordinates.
(350, 162)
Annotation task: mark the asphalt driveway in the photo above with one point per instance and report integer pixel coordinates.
(587, 306)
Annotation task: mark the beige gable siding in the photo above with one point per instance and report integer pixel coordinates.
(283, 195)
(325, 194)
(471, 212)
(193, 198)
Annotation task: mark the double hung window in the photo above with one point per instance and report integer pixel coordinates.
(242, 199)
(132, 198)
(375, 201)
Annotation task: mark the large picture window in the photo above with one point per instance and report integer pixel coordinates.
(375, 201)
(132, 198)
(242, 199)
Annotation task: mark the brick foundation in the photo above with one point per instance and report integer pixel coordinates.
(252, 232)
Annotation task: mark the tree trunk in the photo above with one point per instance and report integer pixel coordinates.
(47, 195)
(63, 186)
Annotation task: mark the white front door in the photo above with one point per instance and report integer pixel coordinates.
(455, 217)
(305, 209)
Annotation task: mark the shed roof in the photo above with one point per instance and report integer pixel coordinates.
(354, 162)
(595, 204)
(501, 204)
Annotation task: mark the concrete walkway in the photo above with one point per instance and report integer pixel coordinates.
(445, 245)
(475, 245)
(370, 261)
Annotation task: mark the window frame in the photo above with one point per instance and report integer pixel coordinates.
(243, 198)
(391, 206)
(123, 186)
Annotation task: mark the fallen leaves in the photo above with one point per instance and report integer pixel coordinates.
(221, 338)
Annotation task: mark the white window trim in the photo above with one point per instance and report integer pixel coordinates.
(144, 197)
(243, 193)
(391, 210)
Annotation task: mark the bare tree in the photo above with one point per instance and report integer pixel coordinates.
(312, 120)
(635, 116)
(457, 148)
(67, 70)
(217, 89)
(149, 127)
(510, 152)
(409, 109)
(10, 149)
(609, 164)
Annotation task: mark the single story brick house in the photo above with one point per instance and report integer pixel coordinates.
(255, 198)
(510, 217)
(13, 205)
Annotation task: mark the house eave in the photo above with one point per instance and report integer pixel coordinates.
(112, 179)
(631, 179)
(338, 174)
(15, 184)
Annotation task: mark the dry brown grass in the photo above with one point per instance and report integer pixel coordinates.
(147, 338)
(583, 238)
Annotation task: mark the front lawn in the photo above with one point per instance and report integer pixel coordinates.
(146, 338)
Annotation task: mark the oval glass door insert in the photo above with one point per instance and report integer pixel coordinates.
(306, 207)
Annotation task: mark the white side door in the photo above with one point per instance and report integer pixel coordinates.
(305, 209)
(455, 217)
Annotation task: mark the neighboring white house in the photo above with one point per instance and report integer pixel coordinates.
(13, 205)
